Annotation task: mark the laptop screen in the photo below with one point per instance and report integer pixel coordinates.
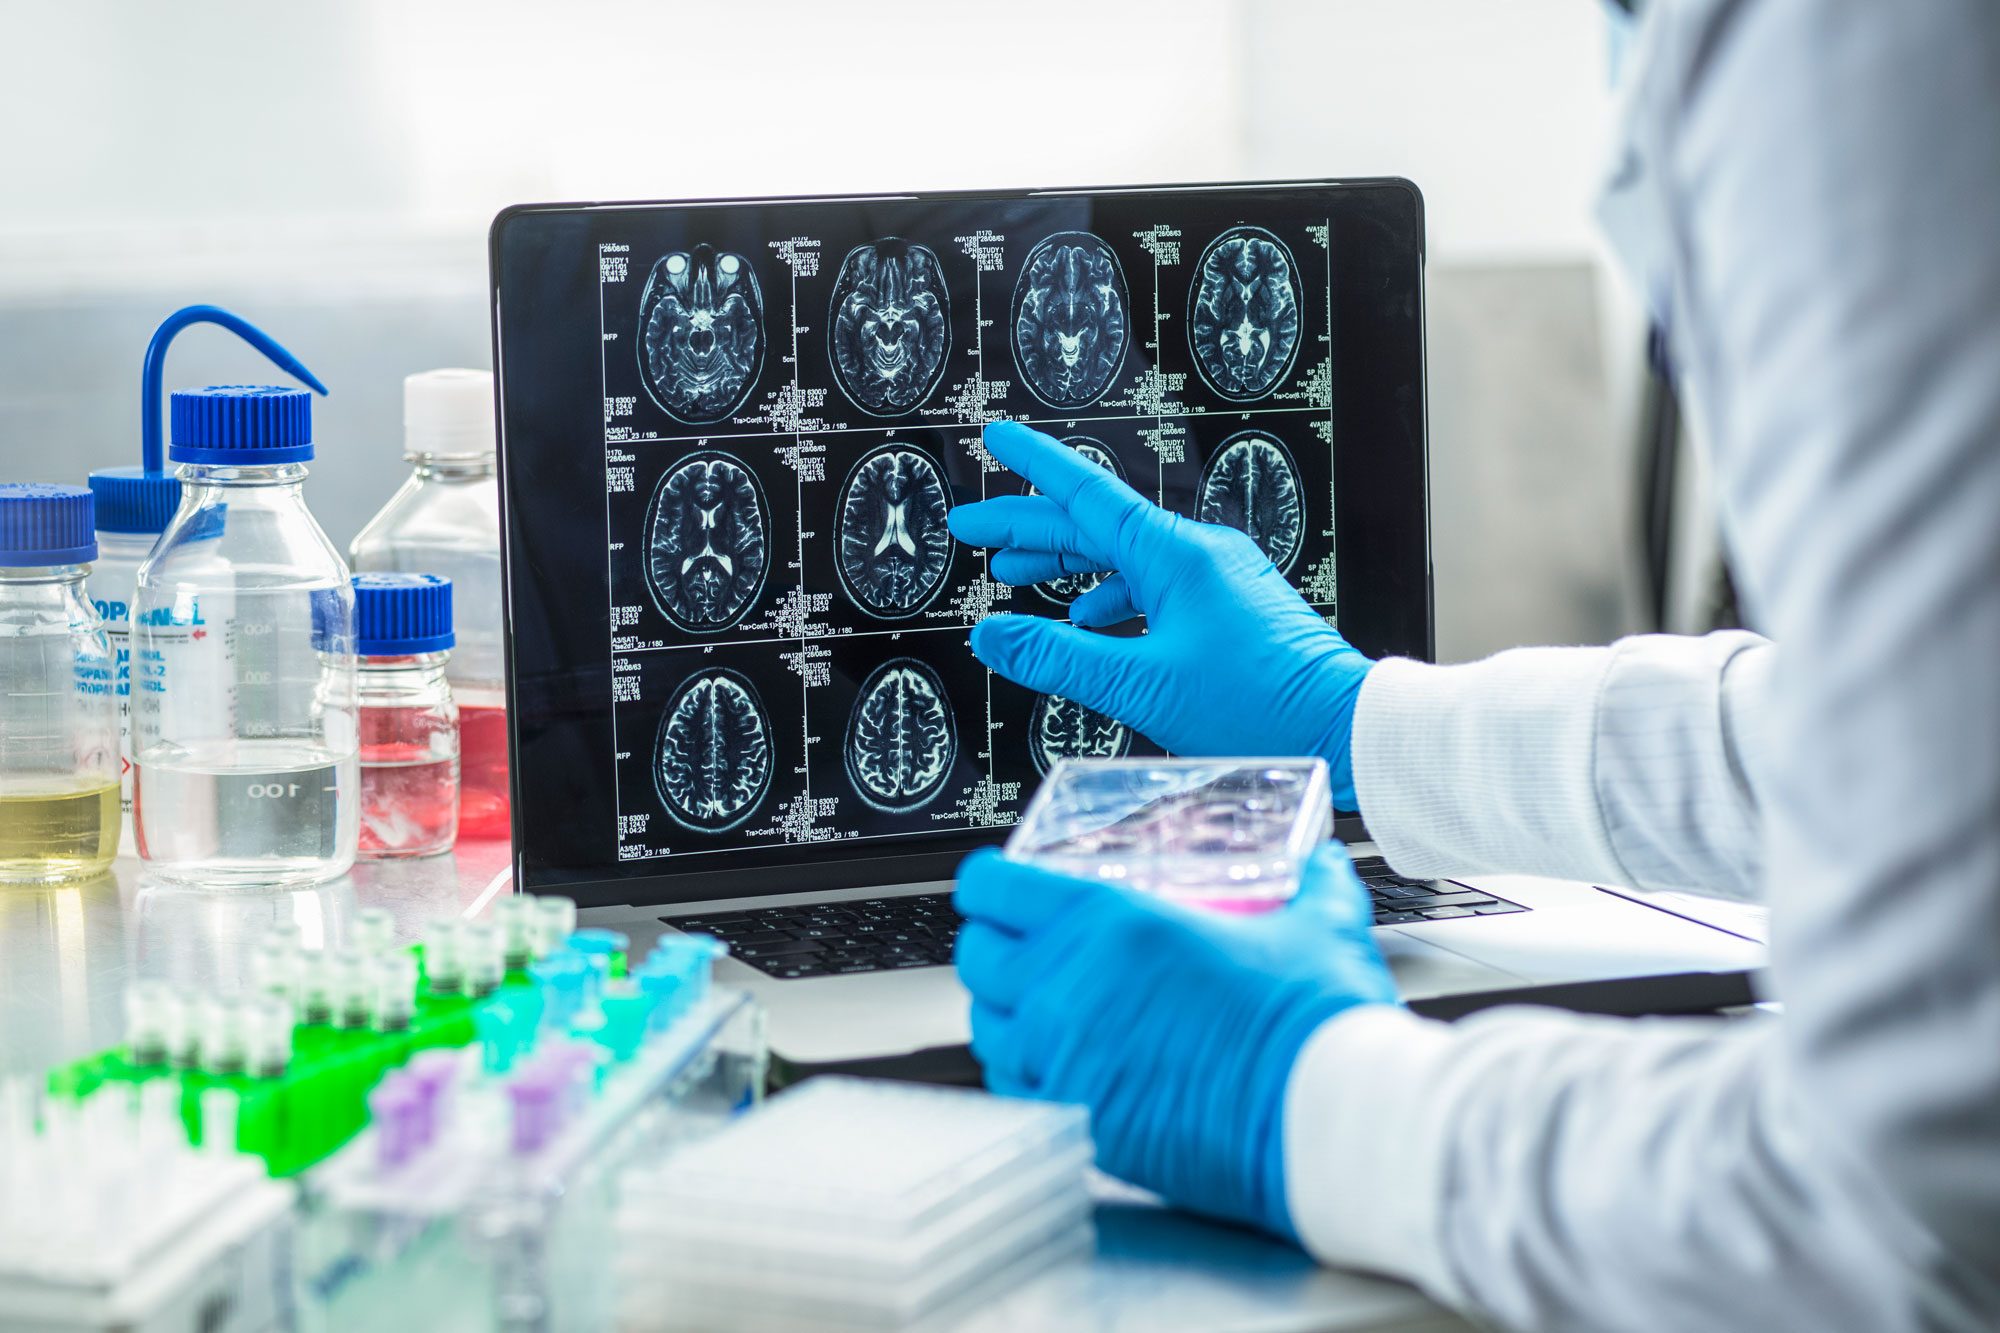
(731, 431)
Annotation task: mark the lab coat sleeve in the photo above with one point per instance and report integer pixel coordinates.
(1830, 178)
(1631, 764)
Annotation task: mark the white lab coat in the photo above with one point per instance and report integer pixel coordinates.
(1812, 190)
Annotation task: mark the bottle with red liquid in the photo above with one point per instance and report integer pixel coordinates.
(409, 721)
(446, 520)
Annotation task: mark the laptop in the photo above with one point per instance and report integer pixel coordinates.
(741, 695)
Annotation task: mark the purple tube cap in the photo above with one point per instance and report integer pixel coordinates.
(536, 1097)
(394, 1109)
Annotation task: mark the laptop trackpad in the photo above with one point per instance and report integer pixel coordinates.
(827, 1019)
(1422, 970)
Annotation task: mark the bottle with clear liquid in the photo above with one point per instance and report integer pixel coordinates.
(409, 723)
(58, 705)
(446, 520)
(245, 748)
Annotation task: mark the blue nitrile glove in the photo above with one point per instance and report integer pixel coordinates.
(1233, 661)
(1177, 1028)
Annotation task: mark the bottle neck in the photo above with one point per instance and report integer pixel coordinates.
(452, 467)
(128, 546)
(279, 476)
(412, 664)
(53, 577)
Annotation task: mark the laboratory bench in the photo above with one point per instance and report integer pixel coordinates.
(67, 954)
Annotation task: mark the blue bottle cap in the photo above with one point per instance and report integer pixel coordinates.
(397, 615)
(131, 499)
(594, 940)
(196, 440)
(241, 425)
(45, 525)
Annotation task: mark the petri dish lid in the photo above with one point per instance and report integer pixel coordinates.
(1161, 824)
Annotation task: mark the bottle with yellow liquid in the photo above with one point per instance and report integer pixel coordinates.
(59, 755)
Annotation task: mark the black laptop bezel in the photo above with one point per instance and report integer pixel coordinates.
(820, 868)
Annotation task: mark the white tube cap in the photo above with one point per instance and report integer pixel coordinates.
(448, 414)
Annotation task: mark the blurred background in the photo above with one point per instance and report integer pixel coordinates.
(329, 172)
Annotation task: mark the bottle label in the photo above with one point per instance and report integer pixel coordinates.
(120, 635)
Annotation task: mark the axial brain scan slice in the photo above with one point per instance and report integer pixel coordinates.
(1072, 319)
(1072, 586)
(714, 760)
(901, 740)
(893, 548)
(891, 325)
(1251, 484)
(707, 542)
(1244, 321)
(701, 333)
(1060, 728)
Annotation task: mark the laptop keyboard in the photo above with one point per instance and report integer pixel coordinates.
(1401, 901)
(918, 930)
(833, 939)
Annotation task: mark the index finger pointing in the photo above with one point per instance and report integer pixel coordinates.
(1095, 499)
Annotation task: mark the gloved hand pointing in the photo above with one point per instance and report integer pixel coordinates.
(1233, 661)
(1177, 1028)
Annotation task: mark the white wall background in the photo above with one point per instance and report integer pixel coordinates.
(329, 170)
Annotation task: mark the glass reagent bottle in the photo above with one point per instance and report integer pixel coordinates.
(58, 703)
(409, 724)
(133, 508)
(445, 519)
(245, 748)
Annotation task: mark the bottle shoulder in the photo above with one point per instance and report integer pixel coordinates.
(53, 612)
(461, 519)
(245, 548)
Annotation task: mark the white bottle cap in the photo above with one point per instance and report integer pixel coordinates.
(448, 414)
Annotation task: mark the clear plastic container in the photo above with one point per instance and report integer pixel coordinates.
(849, 1201)
(133, 509)
(245, 749)
(58, 705)
(445, 520)
(409, 724)
(1228, 834)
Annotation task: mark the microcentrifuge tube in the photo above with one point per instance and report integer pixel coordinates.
(395, 991)
(183, 1024)
(555, 919)
(269, 1044)
(315, 987)
(353, 988)
(483, 949)
(444, 962)
(276, 968)
(222, 1044)
(372, 930)
(146, 1022)
(516, 918)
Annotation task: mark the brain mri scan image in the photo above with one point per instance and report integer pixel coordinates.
(1072, 586)
(714, 760)
(707, 542)
(1252, 484)
(1060, 728)
(1072, 319)
(891, 325)
(1243, 317)
(701, 333)
(901, 740)
(892, 546)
